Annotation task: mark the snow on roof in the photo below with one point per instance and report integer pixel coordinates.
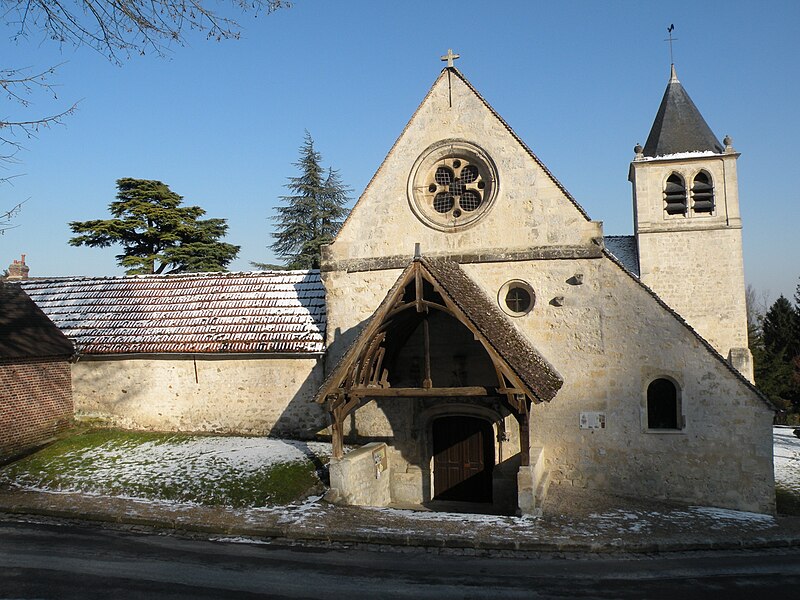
(679, 127)
(261, 312)
(677, 155)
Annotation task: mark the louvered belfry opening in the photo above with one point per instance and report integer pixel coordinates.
(675, 195)
(702, 193)
(423, 342)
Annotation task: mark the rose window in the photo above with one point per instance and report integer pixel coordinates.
(452, 184)
(457, 187)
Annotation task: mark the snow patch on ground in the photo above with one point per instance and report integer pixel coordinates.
(451, 517)
(787, 458)
(188, 465)
(202, 457)
(733, 516)
(240, 540)
(643, 521)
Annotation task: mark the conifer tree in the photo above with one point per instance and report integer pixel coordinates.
(780, 328)
(777, 358)
(312, 214)
(157, 234)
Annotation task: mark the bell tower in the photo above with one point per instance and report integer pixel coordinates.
(688, 227)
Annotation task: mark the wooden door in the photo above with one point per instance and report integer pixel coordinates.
(463, 458)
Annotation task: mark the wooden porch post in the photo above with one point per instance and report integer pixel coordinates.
(523, 418)
(337, 427)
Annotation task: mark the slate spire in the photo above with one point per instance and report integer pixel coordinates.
(679, 126)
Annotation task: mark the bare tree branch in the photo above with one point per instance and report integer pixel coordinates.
(5, 217)
(114, 28)
(119, 27)
(18, 85)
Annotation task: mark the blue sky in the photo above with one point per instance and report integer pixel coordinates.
(580, 82)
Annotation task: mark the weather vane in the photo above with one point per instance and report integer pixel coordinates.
(671, 39)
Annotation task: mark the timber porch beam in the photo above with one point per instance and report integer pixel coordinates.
(423, 392)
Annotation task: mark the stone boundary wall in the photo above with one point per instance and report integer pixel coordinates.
(253, 395)
(36, 402)
(357, 480)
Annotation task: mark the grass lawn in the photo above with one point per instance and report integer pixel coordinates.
(209, 470)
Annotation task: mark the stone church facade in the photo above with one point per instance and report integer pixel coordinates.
(472, 331)
(465, 254)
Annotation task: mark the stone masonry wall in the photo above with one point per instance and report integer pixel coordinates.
(36, 402)
(609, 339)
(694, 261)
(699, 274)
(258, 396)
(520, 219)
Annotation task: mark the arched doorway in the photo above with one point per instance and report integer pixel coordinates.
(463, 459)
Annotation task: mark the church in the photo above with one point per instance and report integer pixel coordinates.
(471, 335)
(498, 344)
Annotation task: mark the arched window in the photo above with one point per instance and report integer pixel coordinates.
(675, 195)
(702, 193)
(663, 405)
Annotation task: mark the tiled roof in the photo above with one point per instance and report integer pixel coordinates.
(261, 312)
(25, 331)
(512, 347)
(679, 126)
(509, 343)
(624, 249)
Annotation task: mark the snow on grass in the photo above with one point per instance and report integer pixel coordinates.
(787, 458)
(196, 457)
(232, 471)
(787, 470)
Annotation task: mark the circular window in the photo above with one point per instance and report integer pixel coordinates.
(452, 184)
(516, 298)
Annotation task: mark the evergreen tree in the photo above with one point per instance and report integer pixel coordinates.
(776, 359)
(797, 319)
(312, 214)
(157, 234)
(780, 327)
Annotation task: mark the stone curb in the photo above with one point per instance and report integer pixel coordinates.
(299, 534)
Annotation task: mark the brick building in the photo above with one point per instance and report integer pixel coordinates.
(35, 380)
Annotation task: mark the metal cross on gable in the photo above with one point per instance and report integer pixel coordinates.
(450, 57)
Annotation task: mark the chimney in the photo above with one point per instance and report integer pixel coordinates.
(18, 270)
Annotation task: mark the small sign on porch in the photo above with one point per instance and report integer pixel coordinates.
(593, 420)
(381, 464)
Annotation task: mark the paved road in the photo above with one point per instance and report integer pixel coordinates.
(47, 560)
